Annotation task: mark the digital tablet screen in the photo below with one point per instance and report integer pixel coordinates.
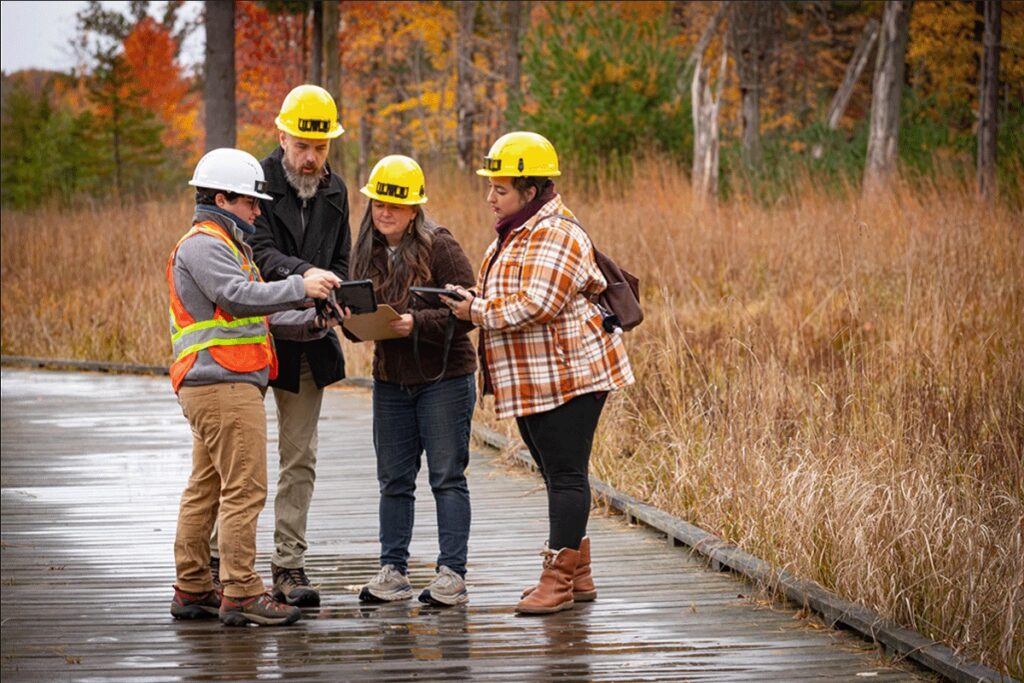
(432, 295)
(357, 296)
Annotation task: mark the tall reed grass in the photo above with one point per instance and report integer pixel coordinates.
(836, 385)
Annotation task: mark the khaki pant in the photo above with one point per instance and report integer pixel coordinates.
(228, 484)
(297, 440)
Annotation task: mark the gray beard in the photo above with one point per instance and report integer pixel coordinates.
(304, 185)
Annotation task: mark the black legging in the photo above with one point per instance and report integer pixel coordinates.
(560, 440)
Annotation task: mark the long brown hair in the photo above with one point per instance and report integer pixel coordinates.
(392, 275)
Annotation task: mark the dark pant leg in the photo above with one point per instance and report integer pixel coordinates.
(445, 411)
(561, 440)
(396, 441)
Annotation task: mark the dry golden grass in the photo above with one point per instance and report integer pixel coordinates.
(837, 386)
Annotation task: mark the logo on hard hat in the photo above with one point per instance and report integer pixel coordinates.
(314, 125)
(391, 190)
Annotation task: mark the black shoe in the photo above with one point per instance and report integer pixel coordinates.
(291, 585)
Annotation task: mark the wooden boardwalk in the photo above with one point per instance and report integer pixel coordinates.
(92, 467)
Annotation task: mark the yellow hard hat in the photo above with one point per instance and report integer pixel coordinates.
(521, 154)
(396, 179)
(309, 111)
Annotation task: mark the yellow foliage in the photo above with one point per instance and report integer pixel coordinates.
(615, 73)
(943, 53)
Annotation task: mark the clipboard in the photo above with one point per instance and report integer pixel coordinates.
(373, 326)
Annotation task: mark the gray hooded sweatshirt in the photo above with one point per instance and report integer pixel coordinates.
(206, 274)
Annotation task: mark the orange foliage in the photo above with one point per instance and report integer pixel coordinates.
(270, 58)
(149, 51)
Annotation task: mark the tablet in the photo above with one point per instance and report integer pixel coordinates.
(432, 295)
(357, 296)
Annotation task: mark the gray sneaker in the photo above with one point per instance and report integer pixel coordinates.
(389, 585)
(447, 588)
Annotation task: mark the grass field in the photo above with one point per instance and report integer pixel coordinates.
(836, 385)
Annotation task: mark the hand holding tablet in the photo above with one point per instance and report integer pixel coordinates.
(433, 295)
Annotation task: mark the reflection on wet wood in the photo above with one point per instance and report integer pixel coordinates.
(92, 468)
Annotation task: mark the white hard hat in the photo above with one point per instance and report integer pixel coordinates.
(231, 170)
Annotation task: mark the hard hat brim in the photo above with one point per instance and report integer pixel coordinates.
(209, 186)
(283, 127)
(505, 174)
(391, 200)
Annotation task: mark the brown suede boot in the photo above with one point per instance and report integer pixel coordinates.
(554, 590)
(583, 588)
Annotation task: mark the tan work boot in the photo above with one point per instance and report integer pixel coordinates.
(554, 590)
(583, 588)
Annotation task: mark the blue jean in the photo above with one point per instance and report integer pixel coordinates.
(408, 421)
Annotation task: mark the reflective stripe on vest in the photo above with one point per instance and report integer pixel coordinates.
(240, 345)
(204, 334)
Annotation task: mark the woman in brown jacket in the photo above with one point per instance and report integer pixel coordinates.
(423, 386)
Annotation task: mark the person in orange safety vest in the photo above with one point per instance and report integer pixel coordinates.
(222, 314)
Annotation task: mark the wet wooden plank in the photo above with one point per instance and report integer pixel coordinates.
(92, 468)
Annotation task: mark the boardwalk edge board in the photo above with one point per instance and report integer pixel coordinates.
(720, 554)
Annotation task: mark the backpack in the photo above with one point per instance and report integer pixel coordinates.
(620, 301)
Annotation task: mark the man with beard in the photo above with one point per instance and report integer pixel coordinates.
(304, 227)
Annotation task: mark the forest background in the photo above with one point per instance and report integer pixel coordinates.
(832, 370)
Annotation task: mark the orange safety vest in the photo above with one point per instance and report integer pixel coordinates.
(236, 344)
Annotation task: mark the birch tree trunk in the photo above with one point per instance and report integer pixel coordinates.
(860, 58)
(219, 87)
(988, 120)
(466, 109)
(704, 107)
(883, 138)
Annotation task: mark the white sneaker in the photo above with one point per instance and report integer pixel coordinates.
(447, 588)
(389, 585)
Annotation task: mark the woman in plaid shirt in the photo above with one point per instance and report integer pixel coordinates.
(544, 354)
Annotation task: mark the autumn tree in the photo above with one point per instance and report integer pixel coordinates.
(270, 61)
(602, 85)
(130, 133)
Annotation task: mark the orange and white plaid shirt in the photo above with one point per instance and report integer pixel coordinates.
(542, 338)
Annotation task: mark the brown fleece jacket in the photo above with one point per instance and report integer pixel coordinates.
(393, 359)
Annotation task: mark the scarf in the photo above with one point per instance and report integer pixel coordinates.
(247, 228)
(504, 225)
